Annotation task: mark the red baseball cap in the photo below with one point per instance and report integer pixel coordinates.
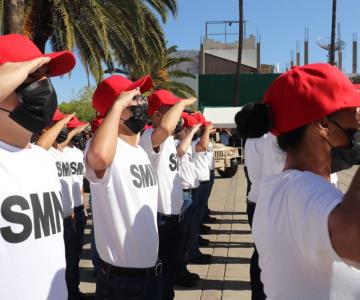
(75, 122)
(189, 120)
(18, 48)
(357, 86)
(201, 119)
(308, 93)
(58, 115)
(109, 89)
(96, 123)
(161, 98)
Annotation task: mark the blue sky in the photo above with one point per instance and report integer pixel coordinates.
(279, 22)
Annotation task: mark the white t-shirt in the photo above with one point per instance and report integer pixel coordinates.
(66, 180)
(189, 179)
(274, 157)
(262, 157)
(166, 165)
(253, 154)
(32, 254)
(210, 156)
(124, 204)
(291, 234)
(201, 162)
(75, 158)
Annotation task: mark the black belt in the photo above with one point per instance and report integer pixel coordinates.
(204, 182)
(109, 269)
(79, 208)
(170, 218)
(189, 190)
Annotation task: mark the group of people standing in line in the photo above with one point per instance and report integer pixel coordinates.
(149, 185)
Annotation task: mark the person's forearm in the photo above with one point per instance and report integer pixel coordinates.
(204, 141)
(47, 139)
(12, 75)
(167, 125)
(185, 143)
(171, 118)
(344, 223)
(103, 145)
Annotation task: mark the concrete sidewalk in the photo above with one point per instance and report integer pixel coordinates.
(227, 277)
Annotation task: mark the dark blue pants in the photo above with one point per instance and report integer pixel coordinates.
(169, 250)
(193, 250)
(257, 287)
(211, 184)
(110, 286)
(180, 269)
(74, 239)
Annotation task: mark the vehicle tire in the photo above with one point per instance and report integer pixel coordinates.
(228, 172)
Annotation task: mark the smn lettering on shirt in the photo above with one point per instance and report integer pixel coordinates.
(174, 162)
(144, 175)
(66, 169)
(46, 221)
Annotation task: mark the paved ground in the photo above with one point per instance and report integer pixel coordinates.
(227, 277)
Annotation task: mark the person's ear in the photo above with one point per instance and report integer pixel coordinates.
(323, 127)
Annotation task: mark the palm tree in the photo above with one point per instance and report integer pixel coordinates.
(14, 10)
(97, 28)
(333, 31)
(164, 78)
(240, 46)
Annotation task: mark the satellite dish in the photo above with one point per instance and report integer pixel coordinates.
(324, 42)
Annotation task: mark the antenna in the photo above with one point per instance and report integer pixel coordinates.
(324, 42)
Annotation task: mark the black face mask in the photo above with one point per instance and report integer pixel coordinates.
(345, 157)
(78, 141)
(342, 159)
(62, 136)
(139, 119)
(38, 102)
(352, 134)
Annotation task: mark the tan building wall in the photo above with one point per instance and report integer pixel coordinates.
(217, 65)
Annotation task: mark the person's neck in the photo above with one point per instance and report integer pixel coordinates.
(132, 139)
(13, 135)
(306, 159)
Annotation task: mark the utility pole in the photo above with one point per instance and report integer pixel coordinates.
(241, 37)
(333, 33)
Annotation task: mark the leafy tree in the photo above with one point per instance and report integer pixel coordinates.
(128, 29)
(81, 105)
(158, 67)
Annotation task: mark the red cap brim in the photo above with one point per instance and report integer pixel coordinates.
(61, 62)
(145, 83)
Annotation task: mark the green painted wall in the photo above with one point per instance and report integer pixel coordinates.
(218, 90)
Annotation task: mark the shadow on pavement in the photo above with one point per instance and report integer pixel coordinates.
(221, 231)
(230, 213)
(221, 285)
(228, 245)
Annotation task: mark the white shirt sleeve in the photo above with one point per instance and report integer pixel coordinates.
(146, 143)
(90, 173)
(310, 202)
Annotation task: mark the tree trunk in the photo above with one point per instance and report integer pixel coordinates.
(241, 37)
(42, 27)
(333, 33)
(14, 11)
